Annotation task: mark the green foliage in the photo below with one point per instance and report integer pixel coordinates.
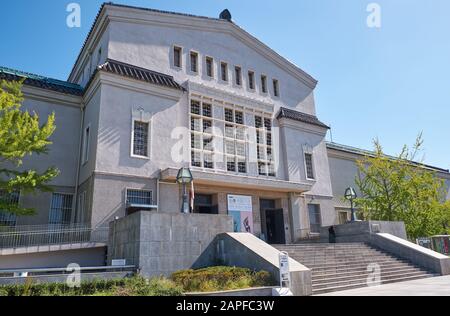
(135, 286)
(403, 189)
(220, 279)
(21, 135)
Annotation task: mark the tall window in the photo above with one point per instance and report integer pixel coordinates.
(276, 88)
(139, 197)
(235, 141)
(238, 75)
(177, 56)
(201, 135)
(140, 139)
(309, 166)
(86, 144)
(251, 80)
(194, 62)
(266, 164)
(61, 209)
(315, 219)
(6, 218)
(209, 67)
(224, 71)
(264, 84)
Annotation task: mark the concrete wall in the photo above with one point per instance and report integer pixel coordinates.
(160, 244)
(87, 257)
(247, 251)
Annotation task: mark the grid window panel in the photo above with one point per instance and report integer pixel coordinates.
(195, 107)
(207, 110)
(264, 84)
(231, 164)
(238, 75)
(229, 147)
(269, 154)
(208, 161)
(268, 124)
(139, 197)
(239, 117)
(61, 209)
(229, 115)
(207, 126)
(208, 143)
(309, 166)
(271, 170)
(240, 149)
(7, 218)
(258, 122)
(240, 133)
(224, 71)
(196, 141)
(262, 169)
(196, 160)
(196, 124)
(229, 131)
(140, 140)
(269, 139)
(251, 80)
(242, 166)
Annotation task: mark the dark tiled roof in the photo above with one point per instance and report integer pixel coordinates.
(301, 117)
(138, 73)
(365, 152)
(40, 81)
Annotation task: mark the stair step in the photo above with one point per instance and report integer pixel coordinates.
(353, 264)
(353, 274)
(361, 278)
(362, 285)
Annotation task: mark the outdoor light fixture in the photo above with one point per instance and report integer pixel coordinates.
(185, 177)
(350, 195)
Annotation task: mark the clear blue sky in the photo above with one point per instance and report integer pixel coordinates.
(389, 83)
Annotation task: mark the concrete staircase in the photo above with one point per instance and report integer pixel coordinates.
(343, 266)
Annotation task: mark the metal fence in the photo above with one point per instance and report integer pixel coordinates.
(29, 236)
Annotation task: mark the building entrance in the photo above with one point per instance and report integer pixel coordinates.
(273, 222)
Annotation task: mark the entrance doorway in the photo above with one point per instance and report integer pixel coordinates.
(203, 204)
(274, 222)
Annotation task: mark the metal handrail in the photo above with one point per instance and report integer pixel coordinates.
(47, 270)
(45, 235)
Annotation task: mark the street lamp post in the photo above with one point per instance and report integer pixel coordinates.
(185, 177)
(350, 195)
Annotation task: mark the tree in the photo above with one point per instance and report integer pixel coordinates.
(403, 189)
(21, 135)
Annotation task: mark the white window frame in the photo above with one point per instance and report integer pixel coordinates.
(212, 67)
(132, 154)
(86, 144)
(173, 56)
(140, 190)
(250, 71)
(312, 165)
(235, 76)
(274, 80)
(267, 88)
(197, 54)
(71, 207)
(227, 70)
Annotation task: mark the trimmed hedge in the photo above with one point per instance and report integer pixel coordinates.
(135, 286)
(221, 279)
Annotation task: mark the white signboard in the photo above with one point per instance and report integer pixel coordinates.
(285, 275)
(240, 203)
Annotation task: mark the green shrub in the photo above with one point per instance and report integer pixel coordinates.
(134, 286)
(220, 278)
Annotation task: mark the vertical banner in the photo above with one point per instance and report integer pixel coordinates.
(240, 207)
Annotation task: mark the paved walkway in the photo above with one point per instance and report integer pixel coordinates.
(437, 286)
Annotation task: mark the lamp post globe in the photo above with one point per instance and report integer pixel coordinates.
(350, 195)
(185, 177)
